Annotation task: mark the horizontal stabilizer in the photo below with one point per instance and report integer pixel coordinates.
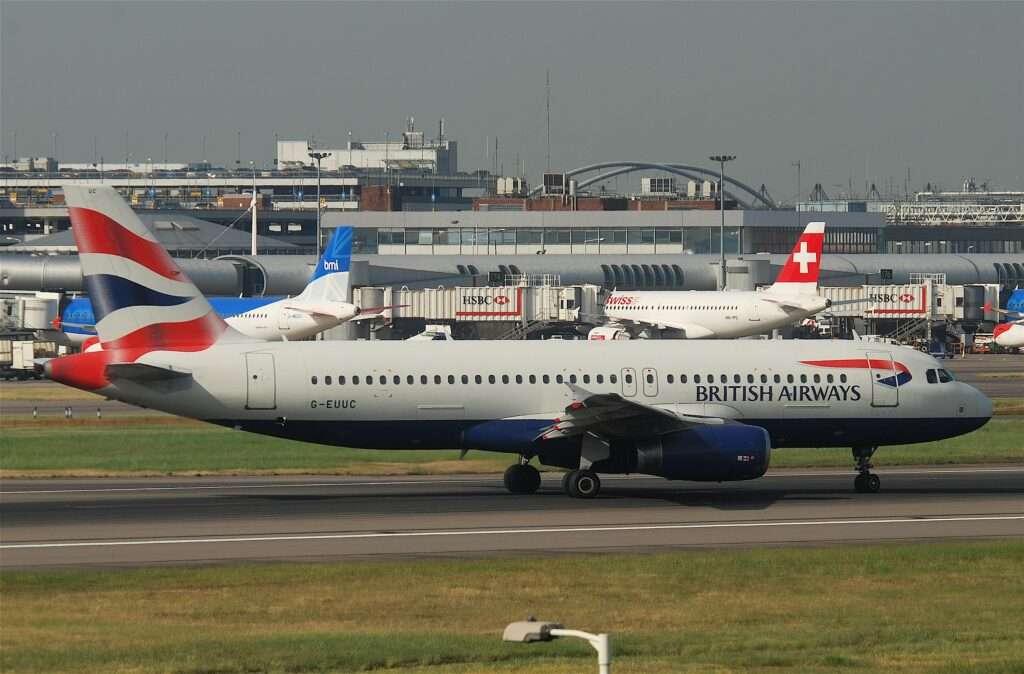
(142, 372)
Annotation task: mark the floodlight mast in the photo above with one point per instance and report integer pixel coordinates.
(721, 159)
(318, 156)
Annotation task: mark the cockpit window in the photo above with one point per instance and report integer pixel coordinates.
(945, 376)
(932, 376)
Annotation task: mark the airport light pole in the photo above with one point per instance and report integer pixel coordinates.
(318, 156)
(721, 159)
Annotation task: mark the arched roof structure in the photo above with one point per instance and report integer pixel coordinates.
(687, 171)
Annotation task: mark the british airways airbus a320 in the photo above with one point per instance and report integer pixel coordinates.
(706, 410)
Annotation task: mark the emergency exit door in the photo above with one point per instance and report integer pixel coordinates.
(261, 387)
(628, 382)
(885, 385)
(650, 377)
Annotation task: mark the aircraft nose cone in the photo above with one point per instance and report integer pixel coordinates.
(46, 369)
(982, 405)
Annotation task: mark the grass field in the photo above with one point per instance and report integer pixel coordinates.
(165, 445)
(952, 607)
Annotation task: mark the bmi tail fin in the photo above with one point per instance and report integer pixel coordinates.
(141, 299)
(799, 276)
(330, 279)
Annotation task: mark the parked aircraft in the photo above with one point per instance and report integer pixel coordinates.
(322, 305)
(725, 314)
(1009, 334)
(706, 411)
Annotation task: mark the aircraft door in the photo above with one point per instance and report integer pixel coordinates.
(282, 318)
(261, 387)
(885, 390)
(650, 376)
(754, 315)
(628, 382)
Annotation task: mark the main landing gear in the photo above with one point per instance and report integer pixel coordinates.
(866, 482)
(522, 478)
(581, 483)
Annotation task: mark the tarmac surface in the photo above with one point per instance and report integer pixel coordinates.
(129, 522)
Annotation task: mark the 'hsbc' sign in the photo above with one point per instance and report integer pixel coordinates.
(485, 300)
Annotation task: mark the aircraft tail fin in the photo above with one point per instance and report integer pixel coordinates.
(330, 279)
(799, 276)
(142, 301)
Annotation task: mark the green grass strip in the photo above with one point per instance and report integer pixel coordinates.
(944, 607)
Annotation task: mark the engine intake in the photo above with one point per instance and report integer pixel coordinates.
(707, 454)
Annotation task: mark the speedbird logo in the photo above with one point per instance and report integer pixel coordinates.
(885, 371)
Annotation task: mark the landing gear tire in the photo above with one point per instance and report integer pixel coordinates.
(868, 483)
(522, 479)
(582, 483)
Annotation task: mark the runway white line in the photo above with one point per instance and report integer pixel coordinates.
(506, 532)
(271, 485)
(393, 483)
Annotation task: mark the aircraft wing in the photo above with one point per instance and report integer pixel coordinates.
(812, 306)
(368, 313)
(141, 372)
(609, 415)
(692, 330)
(339, 312)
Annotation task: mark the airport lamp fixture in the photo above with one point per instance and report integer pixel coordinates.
(318, 157)
(721, 159)
(528, 631)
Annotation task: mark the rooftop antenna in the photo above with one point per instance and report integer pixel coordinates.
(547, 90)
(252, 206)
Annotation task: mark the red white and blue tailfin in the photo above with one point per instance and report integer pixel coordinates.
(142, 300)
(799, 276)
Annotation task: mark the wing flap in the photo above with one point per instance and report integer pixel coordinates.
(609, 415)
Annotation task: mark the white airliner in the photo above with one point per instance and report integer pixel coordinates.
(725, 314)
(1009, 335)
(705, 411)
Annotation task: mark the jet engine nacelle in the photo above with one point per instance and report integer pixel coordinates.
(707, 454)
(608, 333)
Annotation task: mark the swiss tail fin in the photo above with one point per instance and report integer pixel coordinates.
(330, 279)
(141, 299)
(799, 276)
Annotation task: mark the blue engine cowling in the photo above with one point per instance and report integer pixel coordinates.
(707, 454)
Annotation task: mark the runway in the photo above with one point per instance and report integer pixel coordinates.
(81, 523)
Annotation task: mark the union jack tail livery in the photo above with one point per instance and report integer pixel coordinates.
(799, 276)
(142, 300)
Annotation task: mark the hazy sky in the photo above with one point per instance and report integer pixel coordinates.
(848, 89)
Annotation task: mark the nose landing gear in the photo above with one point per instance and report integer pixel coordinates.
(866, 482)
(522, 478)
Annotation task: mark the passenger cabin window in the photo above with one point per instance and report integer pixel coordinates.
(670, 379)
(437, 379)
(423, 379)
(682, 379)
(600, 379)
(558, 378)
(341, 380)
(533, 379)
(628, 378)
(313, 379)
(842, 378)
(327, 379)
(355, 380)
(613, 378)
(547, 379)
(451, 379)
(572, 379)
(490, 379)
